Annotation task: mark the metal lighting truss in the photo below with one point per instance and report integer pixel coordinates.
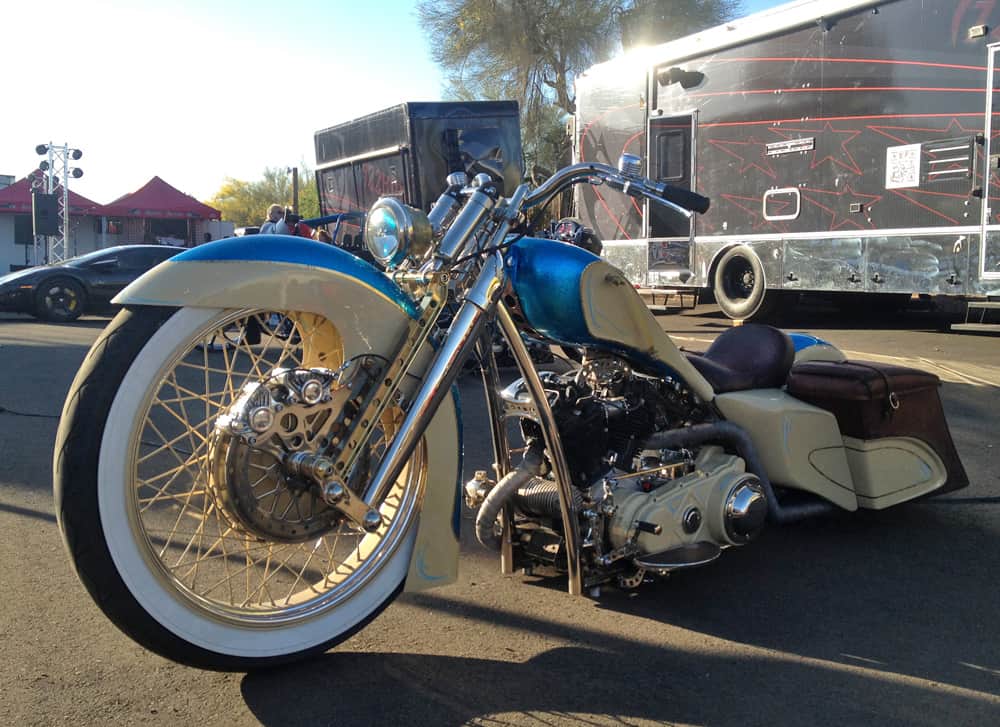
(57, 244)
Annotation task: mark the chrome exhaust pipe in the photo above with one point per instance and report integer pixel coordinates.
(737, 438)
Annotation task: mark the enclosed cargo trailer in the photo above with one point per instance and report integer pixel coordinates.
(848, 146)
(407, 150)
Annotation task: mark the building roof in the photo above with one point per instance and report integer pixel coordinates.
(158, 199)
(17, 199)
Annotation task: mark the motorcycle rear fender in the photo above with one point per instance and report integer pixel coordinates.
(810, 348)
(800, 445)
(371, 313)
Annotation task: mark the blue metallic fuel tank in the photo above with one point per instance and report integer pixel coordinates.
(572, 297)
(545, 275)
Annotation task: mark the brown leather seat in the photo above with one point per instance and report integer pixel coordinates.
(751, 356)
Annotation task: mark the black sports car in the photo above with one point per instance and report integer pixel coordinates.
(64, 291)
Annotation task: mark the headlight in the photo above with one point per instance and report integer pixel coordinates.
(394, 231)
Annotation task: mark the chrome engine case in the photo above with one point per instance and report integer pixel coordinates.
(717, 502)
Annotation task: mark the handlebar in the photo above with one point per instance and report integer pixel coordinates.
(339, 217)
(681, 200)
(683, 197)
(564, 178)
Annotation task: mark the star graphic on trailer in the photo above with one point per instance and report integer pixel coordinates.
(918, 134)
(846, 193)
(751, 205)
(745, 152)
(831, 145)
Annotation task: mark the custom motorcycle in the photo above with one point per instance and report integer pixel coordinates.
(241, 507)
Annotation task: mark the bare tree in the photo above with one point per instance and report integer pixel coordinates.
(648, 22)
(532, 50)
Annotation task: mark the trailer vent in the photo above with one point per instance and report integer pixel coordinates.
(949, 159)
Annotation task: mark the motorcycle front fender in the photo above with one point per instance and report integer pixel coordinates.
(371, 313)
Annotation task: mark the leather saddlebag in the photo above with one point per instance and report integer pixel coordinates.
(875, 400)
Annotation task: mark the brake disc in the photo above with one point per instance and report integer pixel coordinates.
(291, 411)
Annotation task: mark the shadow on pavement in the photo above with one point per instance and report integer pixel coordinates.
(859, 618)
(28, 512)
(604, 680)
(96, 322)
(36, 377)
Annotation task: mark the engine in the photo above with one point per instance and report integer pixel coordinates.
(641, 509)
(604, 411)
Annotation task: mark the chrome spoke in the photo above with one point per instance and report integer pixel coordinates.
(221, 559)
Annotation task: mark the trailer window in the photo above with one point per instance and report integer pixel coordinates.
(338, 190)
(382, 177)
(670, 161)
(672, 155)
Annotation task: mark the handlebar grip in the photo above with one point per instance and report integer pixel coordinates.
(686, 198)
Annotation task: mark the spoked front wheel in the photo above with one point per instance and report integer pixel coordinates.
(201, 543)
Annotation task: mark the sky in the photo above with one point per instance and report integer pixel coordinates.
(195, 91)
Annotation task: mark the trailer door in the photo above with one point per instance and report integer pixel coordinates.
(671, 160)
(989, 250)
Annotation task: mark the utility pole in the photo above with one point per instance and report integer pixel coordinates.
(295, 189)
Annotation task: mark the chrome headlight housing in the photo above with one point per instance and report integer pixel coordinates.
(395, 231)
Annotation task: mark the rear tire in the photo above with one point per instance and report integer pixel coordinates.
(126, 528)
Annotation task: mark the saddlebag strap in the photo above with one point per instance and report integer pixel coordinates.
(891, 400)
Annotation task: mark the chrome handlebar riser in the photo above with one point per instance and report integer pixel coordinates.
(442, 212)
(476, 208)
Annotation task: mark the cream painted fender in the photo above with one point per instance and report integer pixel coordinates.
(370, 313)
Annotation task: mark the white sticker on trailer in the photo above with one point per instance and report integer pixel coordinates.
(902, 166)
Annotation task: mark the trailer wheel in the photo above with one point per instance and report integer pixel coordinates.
(739, 285)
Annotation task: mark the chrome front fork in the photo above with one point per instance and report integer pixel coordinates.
(553, 444)
(465, 330)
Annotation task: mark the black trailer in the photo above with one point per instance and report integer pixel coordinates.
(407, 150)
(848, 146)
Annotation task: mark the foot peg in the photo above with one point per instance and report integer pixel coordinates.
(683, 556)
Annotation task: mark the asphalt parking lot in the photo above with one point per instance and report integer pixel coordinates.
(885, 618)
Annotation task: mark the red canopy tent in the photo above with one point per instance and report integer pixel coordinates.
(16, 199)
(159, 200)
